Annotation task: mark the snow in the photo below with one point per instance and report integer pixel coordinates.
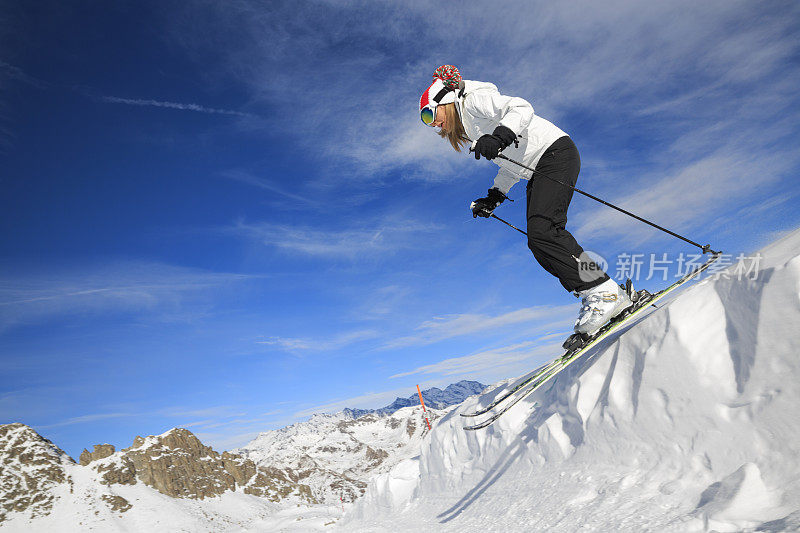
(331, 449)
(79, 507)
(684, 422)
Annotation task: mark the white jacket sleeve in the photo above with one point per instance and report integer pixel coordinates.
(504, 180)
(512, 112)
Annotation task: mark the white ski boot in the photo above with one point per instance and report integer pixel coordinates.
(599, 305)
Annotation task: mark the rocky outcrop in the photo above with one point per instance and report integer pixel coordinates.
(179, 465)
(266, 482)
(240, 468)
(276, 484)
(30, 467)
(101, 451)
(116, 503)
(375, 457)
(121, 471)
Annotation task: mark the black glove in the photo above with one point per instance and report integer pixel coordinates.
(489, 146)
(483, 207)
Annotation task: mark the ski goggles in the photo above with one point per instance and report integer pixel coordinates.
(428, 115)
(428, 103)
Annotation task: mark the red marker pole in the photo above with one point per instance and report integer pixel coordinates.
(423, 407)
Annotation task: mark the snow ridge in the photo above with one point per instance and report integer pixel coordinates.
(685, 422)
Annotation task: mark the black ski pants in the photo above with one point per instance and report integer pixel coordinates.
(552, 245)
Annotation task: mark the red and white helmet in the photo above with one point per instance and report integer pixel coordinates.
(446, 80)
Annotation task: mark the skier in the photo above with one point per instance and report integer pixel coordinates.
(467, 111)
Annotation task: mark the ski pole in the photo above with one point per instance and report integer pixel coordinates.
(508, 224)
(706, 248)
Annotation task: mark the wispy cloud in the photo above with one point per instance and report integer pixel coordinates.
(34, 402)
(486, 360)
(227, 441)
(216, 412)
(731, 48)
(382, 238)
(383, 131)
(13, 73)
(382, 301)
(676, 83)
(722, 178)
(87, 419)
(228, 427)
(367, 400)
(173, 105)
(442, 328)
(159, 290)
(318, 345)
(232, 417)
(267, 185)
(767, 205)
(9, 75)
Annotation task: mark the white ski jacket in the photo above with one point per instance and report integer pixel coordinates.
(482, 108)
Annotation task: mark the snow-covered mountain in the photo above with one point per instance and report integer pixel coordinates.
(168, 482)
(434, 397)
(685, 422)
(336, 454)
(174, 482)
(31, 467)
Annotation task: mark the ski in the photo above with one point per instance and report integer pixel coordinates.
(514, 389)
(560, 363)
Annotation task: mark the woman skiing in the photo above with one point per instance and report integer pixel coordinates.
(475, 112)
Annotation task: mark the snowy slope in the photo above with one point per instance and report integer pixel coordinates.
(686, 422)
(42, 489)
(82, 505)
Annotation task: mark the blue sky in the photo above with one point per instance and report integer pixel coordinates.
(227, 215)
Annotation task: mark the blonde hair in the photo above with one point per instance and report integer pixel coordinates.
(455, 133)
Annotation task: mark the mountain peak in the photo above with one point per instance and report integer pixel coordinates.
(435, 398)
(178, 464)
(32, 466)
